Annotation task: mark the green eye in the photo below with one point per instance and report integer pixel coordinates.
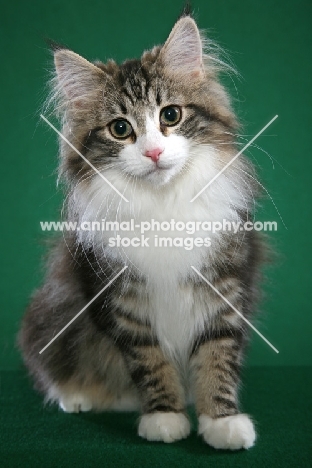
(170, 115)
(120, 129)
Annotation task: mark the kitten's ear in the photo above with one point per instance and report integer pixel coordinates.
(182, 52)
(77, 78)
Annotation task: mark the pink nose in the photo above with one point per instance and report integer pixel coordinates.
(153, 154)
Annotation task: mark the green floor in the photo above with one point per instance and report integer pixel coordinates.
(33, 436)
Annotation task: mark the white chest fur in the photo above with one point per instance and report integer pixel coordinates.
(174, 313)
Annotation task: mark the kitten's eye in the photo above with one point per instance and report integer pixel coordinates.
(120, 129)
(170, 116)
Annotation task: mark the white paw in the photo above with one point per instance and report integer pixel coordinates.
(75, 403)
(166, 427)
(232, 432)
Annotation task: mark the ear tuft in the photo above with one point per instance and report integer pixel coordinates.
(187, 10)
(182, 52)
(54, 46)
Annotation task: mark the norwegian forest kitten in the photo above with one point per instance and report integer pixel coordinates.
(158, 129)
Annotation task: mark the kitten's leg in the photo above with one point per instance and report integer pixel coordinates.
(215, 365)
(82, 369)
(162, 396)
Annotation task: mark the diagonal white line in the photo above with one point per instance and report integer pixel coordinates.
(84, 158)
(232, 160)
(84, 308)
(235, 310)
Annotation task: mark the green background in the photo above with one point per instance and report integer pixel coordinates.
(270, 44)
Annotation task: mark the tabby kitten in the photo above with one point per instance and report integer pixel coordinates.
(159, 129)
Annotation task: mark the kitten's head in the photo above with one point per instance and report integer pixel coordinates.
(145, 118)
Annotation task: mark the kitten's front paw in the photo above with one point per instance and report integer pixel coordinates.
(166, 427)
(231, 432)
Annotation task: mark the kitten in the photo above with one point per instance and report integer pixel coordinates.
(159, 129)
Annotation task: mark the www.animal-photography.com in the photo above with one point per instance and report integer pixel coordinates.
(156, 306)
